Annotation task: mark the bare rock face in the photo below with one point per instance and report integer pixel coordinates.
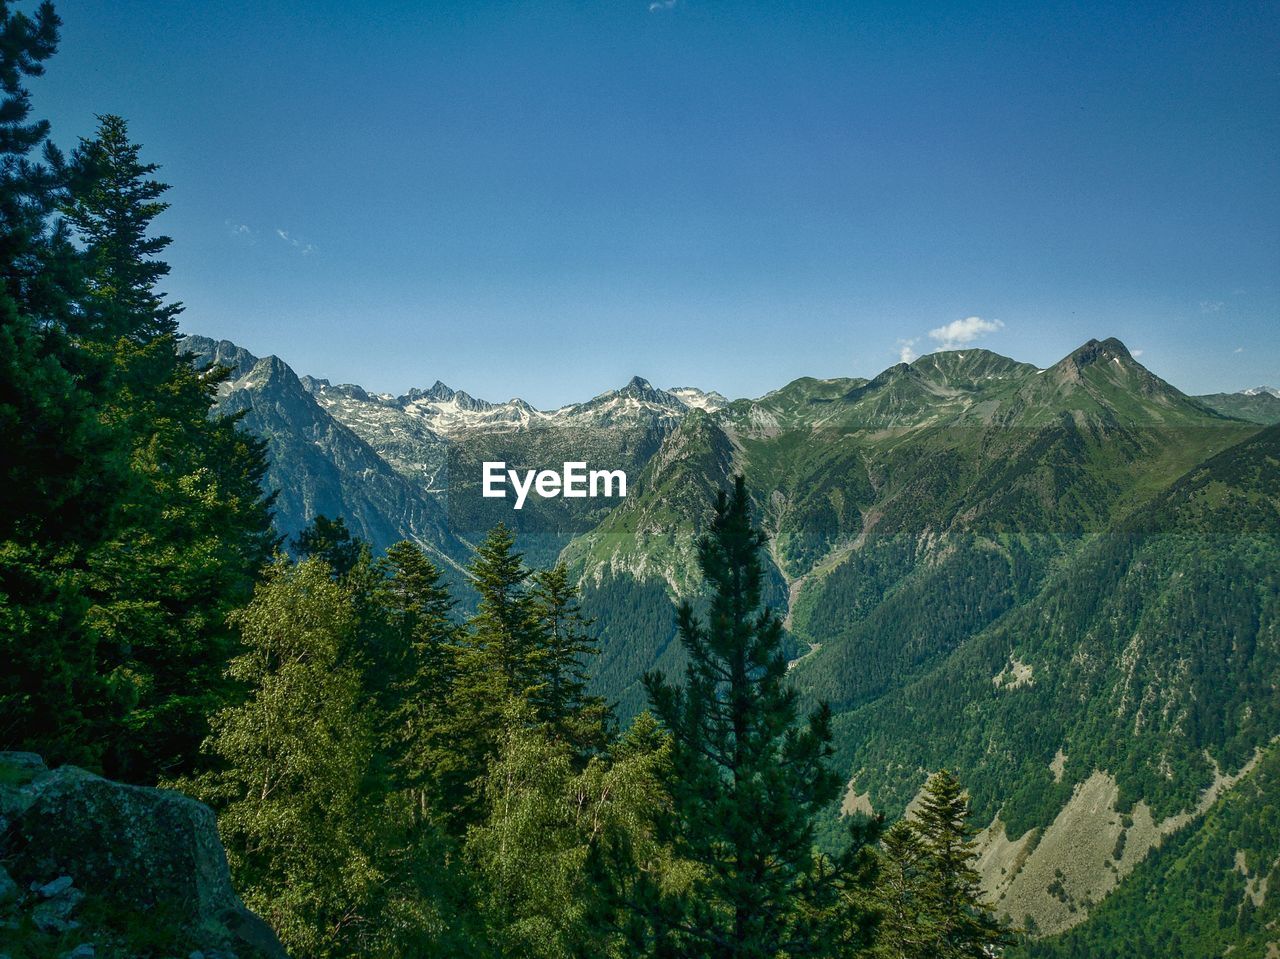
(70, 836)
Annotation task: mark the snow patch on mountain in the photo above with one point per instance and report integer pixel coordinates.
(447, 413)
(698, 399)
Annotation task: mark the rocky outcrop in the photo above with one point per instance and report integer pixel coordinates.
(90, 862)
(318, 465)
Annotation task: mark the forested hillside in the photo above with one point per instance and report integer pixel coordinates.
(1204, 892)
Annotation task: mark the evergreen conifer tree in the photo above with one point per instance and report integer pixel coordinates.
(60, 466)
(329, 540)
(114, 199)
(504, 633)
(905, 927)
(957, 923)
(561, 700)
(192, 528)
(417, 607)
(746, 779)
(498, 660)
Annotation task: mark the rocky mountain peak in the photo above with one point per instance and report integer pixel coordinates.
(637, 383)
(695, 398)
(313, 384)
(468, 402)
(1090, 354)
(639, 388)
(1094, 351)
(208, 351)
(351, 390)
(439, 393)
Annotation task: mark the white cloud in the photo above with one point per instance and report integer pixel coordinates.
(241, 231)
(1238, 349)
(1136, 353)
(1211, 306)
(303, 247)
(959, 333)
(906, 350)
(661, 5)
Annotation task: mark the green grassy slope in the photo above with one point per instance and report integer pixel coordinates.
(962, 510)
(1257, 408)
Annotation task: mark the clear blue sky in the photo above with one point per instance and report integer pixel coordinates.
(543, 198)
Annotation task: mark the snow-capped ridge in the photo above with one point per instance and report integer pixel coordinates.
(697, 399)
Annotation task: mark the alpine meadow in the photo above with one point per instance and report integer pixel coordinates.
(964, 657)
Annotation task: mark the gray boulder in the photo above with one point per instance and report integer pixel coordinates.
(154, 852)
(55, 913)
(29, 761)
(51, 889)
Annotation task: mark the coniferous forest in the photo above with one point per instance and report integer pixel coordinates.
(414, 751)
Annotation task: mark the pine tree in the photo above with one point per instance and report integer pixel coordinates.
(61, 468)
(420, 626)
(498, 660)
(561, 700)
(25, 43)
(114, 201)
(747, 780)
(192, 528)
(504, 631)
(427, 908)
(957, 922)
(329, 540)
(905, 930)
(838, 895)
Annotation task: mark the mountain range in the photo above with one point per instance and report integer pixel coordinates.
(1062, 583)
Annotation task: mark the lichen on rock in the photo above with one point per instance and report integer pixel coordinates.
(85, 854)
